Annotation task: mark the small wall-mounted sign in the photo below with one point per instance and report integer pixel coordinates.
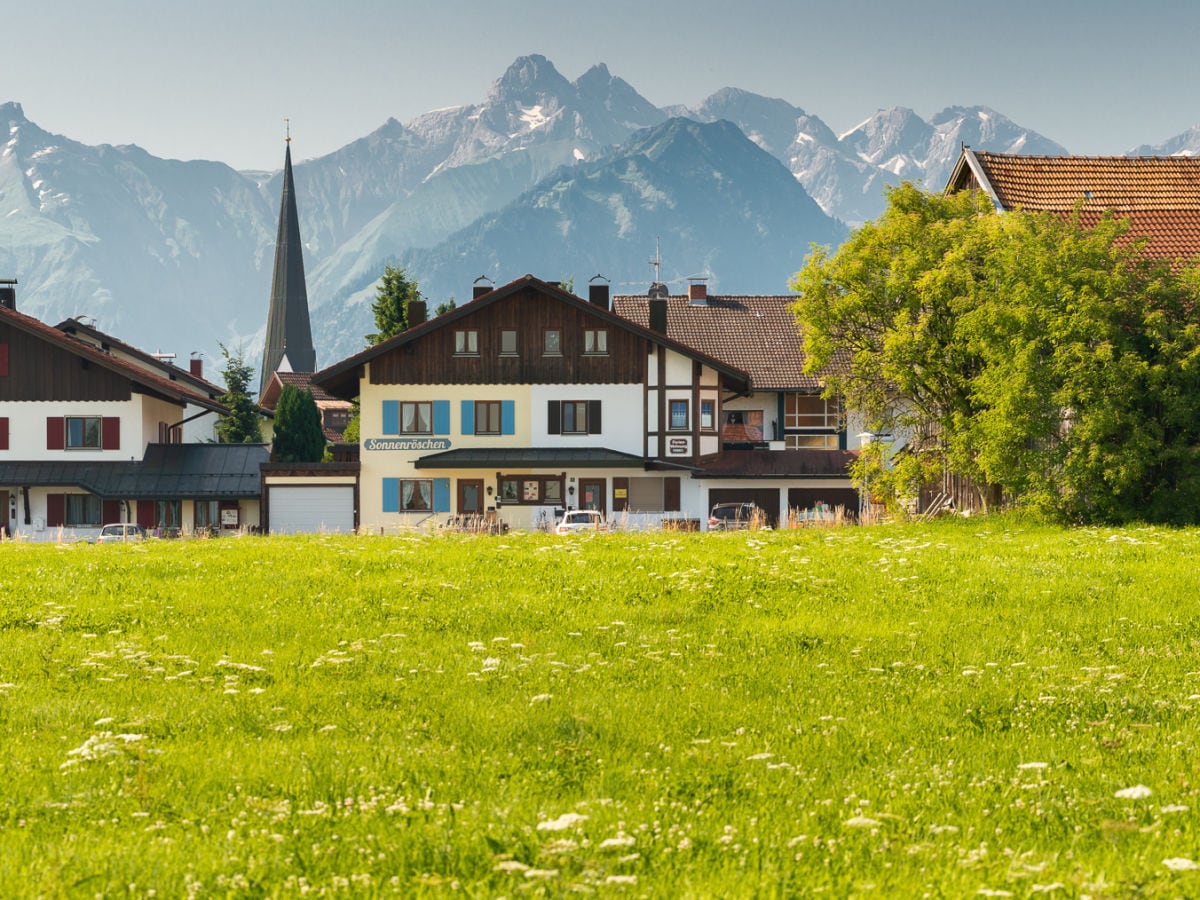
(620, 493)
(229, 518)
(677, 446)
(406, 444)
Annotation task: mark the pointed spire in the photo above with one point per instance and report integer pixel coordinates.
(288, 328)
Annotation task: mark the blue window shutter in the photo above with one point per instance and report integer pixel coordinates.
(468, 417)
(391, 494)
(441, 494)
(441, 416)
(508, 417)
(391, 416)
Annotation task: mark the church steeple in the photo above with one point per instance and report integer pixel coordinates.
(288, 329)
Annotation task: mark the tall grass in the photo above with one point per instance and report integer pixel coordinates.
(955, 709)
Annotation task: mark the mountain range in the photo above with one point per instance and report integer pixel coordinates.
(564, 179)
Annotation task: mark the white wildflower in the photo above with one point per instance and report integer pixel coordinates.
(621, 840)
(566, 820)
(861, 822)
(1137, 792)
(1034, 765)
(621, 879)
(540, 698)
(541, 873)
(1180, 864)
(1047, 888)
(511, 865)
(760, 756)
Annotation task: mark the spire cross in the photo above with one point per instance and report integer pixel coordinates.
(287, 125)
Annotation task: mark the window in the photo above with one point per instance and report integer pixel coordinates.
(812, 441)
(3, 438)
(743, 425)
(83, 510)
(679, 415)
(167, 515)
(647, 494)
(531, 490)
(487, 417)
(207, 514)
(508, 343)
(466, 343)
(416, 495)
(707, 415)
(803, 411)
(573, 417)
(416, 418)
(595, 341)
(83, 433)
(552, 343)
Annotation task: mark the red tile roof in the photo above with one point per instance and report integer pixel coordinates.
(1160, 195)
(757, 334)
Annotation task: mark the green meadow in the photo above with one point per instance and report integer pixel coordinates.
(969, 708)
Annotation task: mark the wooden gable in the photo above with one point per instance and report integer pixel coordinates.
(40, 370)
(434, 358)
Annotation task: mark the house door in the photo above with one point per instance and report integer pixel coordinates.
(470, 496)
(5, 518)
(591, 494)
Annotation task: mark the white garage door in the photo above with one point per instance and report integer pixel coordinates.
(311, 508)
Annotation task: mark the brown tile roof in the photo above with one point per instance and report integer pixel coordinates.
(757, 334)
(1160, 195)
(779, 464)
(301, 381)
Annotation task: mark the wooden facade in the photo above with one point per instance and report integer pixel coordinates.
(40, 371)
(431, 358)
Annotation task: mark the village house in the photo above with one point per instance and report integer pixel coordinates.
(92, 432)
(529, 400)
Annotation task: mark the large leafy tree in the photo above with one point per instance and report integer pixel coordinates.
(298, 434)
(1052, 360)
(240, 425)
(390, 305)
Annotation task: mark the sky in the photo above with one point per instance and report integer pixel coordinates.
(215, 79)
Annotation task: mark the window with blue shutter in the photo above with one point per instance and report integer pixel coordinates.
(391, 416)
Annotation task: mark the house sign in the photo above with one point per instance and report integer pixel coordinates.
(678, 446)
(406, 444)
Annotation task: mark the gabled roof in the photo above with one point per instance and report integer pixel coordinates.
(1159, 195)
(168, 370)
(301, 381)
(341, 378)
(151, 382)
(758, 334)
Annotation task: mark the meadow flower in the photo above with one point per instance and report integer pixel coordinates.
(1180, 864)
(861, 822)
(1047, 888)
(1174, 808)
(621, 879)
(1137, 792)
(621, 840)
(566, 820)
(511, 865)
(540, 698)
(541, 873)
(1034, 765)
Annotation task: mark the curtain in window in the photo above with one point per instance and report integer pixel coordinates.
(416, 495)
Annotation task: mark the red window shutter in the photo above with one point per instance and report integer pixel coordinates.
(3, 359)
(56, 509)
(56, 433)
(110, 433)
(110, 511)
(3, 434)
(146, 513)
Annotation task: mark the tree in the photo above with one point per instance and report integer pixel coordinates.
(298, 434)
(1052, 360)
(240, 425)
(390, 306)
(445, 306)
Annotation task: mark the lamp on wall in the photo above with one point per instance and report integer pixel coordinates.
(489, 490)
(571, 490)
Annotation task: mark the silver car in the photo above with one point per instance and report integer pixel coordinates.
(120, 533)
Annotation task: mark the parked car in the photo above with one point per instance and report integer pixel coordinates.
(735, 516)
(575, 521)
(120, 533)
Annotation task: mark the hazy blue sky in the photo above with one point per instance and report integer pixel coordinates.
(214, 79)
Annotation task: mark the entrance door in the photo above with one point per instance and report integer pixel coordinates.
(591, 494)
(470, 497)
(5, 518)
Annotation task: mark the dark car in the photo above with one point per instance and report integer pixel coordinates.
(735, 517)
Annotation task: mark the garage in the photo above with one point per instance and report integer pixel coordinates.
(310, 508)
(767, 499)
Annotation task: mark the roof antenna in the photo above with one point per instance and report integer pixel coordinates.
(657, 261)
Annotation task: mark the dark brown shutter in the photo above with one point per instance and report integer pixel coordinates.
(620, 494)
(3, 441)
(3, 359)
(671, 493)
(553, 417)
(593, 417)
(56, 509)
(56, 433)
(110, 511)
(110, 433)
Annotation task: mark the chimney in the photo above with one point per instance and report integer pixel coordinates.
(698, 293)
(8, 293)
(417, 312)
(598, 295)
(658, 314)
(196, 366)
(482, 285)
